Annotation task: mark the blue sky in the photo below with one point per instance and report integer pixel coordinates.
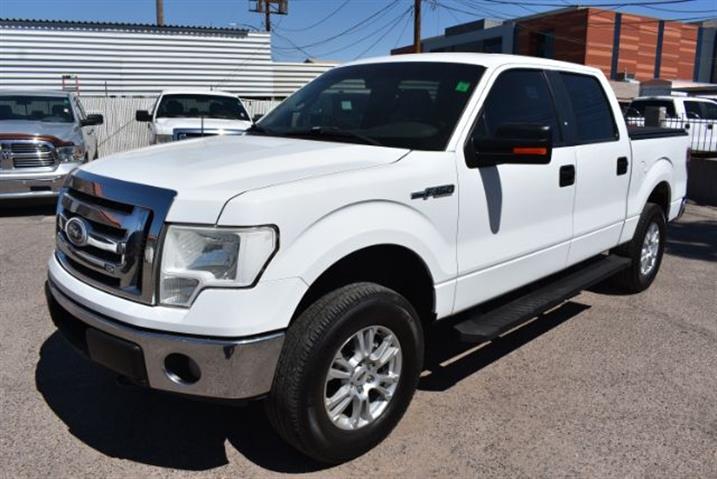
(389, 28)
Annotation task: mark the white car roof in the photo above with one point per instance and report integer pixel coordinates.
(196, 91)
(669, 98)
(488, 60)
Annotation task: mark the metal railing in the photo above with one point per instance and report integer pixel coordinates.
(702, 132)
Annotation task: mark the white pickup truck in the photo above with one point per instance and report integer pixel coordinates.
(181, 114)
(303, 262)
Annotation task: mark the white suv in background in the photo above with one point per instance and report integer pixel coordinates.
(191, 113)
(696, 115)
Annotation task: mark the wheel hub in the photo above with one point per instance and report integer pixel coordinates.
(650, 249)
(362, 377)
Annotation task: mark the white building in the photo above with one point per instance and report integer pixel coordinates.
(120, 59)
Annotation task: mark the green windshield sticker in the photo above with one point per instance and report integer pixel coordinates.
(463, 86)
(346, 105)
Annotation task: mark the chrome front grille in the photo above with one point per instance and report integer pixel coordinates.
(19, 154)
(108, 233)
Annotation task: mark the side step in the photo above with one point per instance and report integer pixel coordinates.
(481, 326)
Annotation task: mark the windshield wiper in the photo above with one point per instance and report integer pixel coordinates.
(333, 132)
(254, 128)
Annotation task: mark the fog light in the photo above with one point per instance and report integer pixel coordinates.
(181, 369)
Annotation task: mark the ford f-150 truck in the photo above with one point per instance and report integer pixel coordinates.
(304, 262)
(181, 114)
(43, 136)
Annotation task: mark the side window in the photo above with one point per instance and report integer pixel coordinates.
(709, 110)
(693, 110)
(638, 108)
(517, 96)
(593, 114)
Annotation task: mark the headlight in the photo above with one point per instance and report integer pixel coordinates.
(162, 139)
(194, 258)
(70, 153)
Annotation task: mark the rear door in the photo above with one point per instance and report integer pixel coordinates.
(515, 221)
(603, 162)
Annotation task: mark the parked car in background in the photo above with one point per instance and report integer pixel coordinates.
(304, 261)
(43, 136)
(191, 113)
(695, 114)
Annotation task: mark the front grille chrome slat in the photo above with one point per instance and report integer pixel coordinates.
(24, 154)
(108, 241)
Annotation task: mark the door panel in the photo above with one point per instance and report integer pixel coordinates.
(603, 166)
(515, 220)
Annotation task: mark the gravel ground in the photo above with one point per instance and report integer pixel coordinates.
(604, 386)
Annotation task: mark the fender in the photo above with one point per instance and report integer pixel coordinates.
(661, 170)
(382, 222)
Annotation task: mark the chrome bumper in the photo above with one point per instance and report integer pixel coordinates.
(239, 368)
(13, 187)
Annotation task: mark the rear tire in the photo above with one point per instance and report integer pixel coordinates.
(370, 338)
(645, 251)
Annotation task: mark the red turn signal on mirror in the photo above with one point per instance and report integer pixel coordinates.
(527, 150)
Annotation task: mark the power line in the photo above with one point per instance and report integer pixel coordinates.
(316, 24)
(404, 15)
(382, 11)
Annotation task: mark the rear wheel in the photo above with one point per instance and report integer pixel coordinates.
(347, 373)
(645, 251)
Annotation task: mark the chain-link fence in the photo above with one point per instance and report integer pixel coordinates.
(121, 132)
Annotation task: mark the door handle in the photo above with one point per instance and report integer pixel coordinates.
(567, 175)
(621, 165)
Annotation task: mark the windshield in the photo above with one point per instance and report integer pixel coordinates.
(195, 106)
(413, 105)
(51, 109)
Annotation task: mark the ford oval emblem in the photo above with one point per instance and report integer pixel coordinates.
(76, 231)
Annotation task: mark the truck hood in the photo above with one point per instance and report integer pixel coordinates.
(63, 131)
(166, 126)
(208, 172)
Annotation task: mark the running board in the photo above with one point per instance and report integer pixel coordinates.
(481, 326)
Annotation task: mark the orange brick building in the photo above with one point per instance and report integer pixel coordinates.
(617, 43)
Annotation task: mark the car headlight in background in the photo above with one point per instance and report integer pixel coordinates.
(162, 138)
(194, 258)
(71, 153)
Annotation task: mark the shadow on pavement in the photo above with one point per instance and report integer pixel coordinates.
(693, 240)
(153, 428)
(28, 207)
(450, 361)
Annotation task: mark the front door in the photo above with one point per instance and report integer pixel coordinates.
(515, 220)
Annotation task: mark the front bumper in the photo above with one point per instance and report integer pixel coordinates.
(237, 368)
(24, 184)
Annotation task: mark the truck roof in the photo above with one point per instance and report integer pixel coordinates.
(58, 93)
(489, 60)
(675, 97)
(196, 91)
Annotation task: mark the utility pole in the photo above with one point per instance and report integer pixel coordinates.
(160, 12)
(267, 15)
(265, 7)
(417, 26)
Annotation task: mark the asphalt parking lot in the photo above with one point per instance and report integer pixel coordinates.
(604, 386)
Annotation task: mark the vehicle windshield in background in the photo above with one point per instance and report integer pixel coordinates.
(195, 106)
(51, 109)
(413, 105)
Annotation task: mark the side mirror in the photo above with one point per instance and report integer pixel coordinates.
(143, 115)
(92, 119)
(257, 117)
(515, 143)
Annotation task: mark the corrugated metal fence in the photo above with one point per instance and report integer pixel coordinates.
(121, 132)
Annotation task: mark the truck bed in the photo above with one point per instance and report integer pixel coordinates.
(650, 132)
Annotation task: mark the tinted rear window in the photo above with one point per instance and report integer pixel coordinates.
(593, 113)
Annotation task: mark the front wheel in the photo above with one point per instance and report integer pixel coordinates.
(645, 251)
(348, 371)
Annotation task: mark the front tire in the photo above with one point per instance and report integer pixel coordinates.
(645, 251)
(348, 370)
